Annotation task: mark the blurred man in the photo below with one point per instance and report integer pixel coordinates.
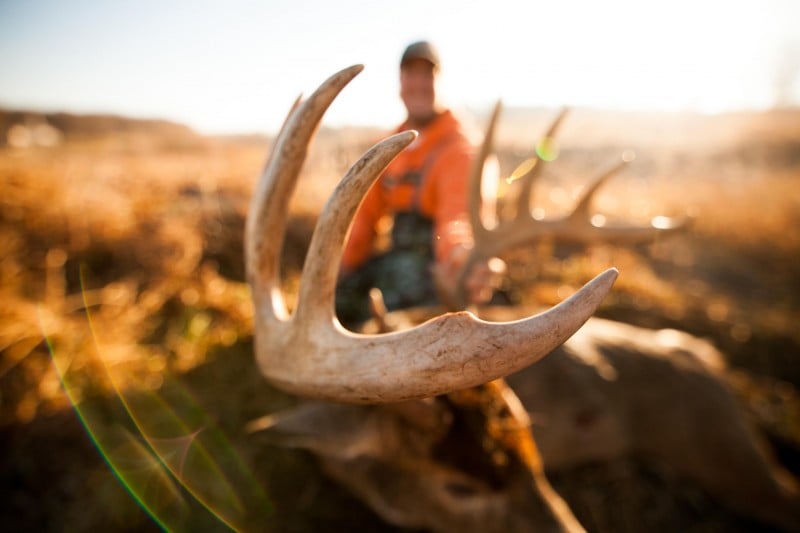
(422, 197)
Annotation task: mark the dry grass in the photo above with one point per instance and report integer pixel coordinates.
(121, 261)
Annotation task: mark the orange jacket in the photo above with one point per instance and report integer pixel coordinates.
(443, 155)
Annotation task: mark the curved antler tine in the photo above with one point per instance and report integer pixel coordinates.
(579, 227)
(267, 217)
(318, 280)
(553, 129)
(450, 352)
(256, 212)
(582, 208)
(480, 235)
(479, 232)
(527, 180)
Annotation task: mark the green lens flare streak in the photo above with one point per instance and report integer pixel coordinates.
(137, 469)
(182, 444)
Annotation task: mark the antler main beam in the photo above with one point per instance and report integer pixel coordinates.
(311, 354)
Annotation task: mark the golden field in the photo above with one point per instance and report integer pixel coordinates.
(121, 277)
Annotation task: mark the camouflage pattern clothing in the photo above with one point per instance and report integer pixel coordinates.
(403, 274)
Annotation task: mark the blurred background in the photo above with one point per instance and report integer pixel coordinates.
(236, 69)
(131, 136)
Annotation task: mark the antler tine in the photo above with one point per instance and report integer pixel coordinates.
(312, 355)
(578, 225)
(318, 280)
(528, 179)
(479, 231)
(266, 222)
(581, 210)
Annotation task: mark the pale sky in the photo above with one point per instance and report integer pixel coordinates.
(236, 66)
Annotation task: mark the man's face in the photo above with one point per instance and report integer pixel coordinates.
(418, 89)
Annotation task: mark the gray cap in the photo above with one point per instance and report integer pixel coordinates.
(421, 50)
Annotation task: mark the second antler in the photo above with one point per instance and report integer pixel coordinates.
(523, 228)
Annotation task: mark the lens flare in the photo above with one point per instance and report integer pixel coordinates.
(137, 468)
(522, 169)
(547, 149)
(175, 451)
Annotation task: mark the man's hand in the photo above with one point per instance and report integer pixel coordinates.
(479, 285)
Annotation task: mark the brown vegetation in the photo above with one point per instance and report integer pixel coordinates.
(121, 266)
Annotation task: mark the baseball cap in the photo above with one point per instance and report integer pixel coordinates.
(421, 50)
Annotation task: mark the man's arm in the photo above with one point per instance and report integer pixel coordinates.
(362, 233)
(448, 200)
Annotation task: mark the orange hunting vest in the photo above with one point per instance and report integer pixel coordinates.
(428, 178)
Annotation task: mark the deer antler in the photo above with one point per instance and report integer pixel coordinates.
(577, 226)
(311, 354)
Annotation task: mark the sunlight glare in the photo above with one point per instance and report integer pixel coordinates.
(662, 222)
(547, 149)
(521, 170)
